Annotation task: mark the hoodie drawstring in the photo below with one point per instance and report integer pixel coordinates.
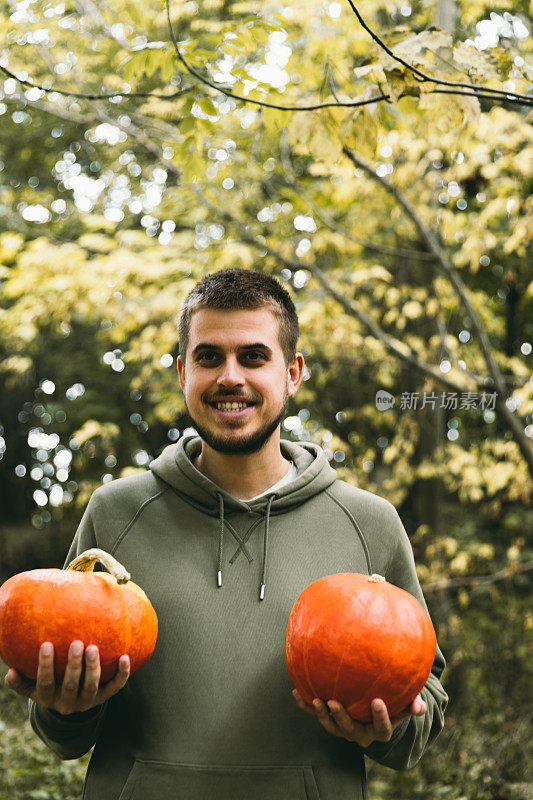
(220, 540)
(265, 544)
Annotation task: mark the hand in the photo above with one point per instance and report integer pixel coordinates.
(339, 723)
(71, 695)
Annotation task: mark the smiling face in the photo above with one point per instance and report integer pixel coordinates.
(236, 382)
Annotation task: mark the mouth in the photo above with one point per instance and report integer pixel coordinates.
(232, 408)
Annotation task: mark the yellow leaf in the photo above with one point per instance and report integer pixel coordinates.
(359, 132)
(10, 244)
(316, 133)
(401, 83)
(18, 364)
(192, 168)
(274, 120)
(493, 63)
(453, 112)
(324, 143)
(412, 309)
(93, 429)
(97, 242)
(300, 125)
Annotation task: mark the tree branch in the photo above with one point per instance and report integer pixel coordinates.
(478, 581)
(328, 220)
(495, 94)
(444, 263)
(81, 95)
(262, 103)
(441, 82)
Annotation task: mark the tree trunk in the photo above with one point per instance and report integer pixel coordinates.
(446, 15)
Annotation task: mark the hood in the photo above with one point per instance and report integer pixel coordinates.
(175, 468)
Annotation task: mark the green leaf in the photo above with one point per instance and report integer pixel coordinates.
(147, 62)
(192, 168)
(187, 124)
(207, 106)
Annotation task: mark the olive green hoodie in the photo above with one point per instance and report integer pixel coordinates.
(211, 714)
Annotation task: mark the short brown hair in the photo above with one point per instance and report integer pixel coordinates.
(232, 289)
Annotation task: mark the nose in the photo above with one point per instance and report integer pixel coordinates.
(230, 374)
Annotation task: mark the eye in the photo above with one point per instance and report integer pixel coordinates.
(208, 356)
(254, 355)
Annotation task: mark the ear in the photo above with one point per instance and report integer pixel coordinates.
(181, 372)
(295, 373)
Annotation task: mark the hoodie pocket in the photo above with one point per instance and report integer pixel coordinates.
(160, 780)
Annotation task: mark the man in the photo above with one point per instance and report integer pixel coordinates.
(223, 533)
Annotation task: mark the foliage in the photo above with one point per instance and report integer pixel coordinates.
(111, 209)
(28, 770)
(483, 754)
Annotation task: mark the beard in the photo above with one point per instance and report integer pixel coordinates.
(250, 443)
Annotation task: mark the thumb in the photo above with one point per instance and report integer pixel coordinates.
(18, 683)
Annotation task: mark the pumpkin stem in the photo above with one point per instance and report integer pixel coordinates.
(85, 563)
(375, 578)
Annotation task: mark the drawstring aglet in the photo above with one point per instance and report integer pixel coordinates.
(219, 578)
(262, 592)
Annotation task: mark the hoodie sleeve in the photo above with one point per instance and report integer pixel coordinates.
(72, 735)
(411, 738)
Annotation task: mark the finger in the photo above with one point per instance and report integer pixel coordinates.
(348, 726)
(116, 683)
(399, 718)
(380, 720)
(93, 671)
(417, 709)
(71, 682)
(302, 704)
(351, 729)
(323, 716)
(45, 687)
(19, 683)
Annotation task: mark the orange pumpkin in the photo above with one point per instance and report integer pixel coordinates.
(353, 638)
(59, 606)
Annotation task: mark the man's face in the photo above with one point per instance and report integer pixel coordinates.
(235, 381)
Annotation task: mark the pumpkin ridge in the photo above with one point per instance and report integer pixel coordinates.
(126, 623)
(306, 650)
(391, 655)
(393, 650)
(356, 601)
(341, 661)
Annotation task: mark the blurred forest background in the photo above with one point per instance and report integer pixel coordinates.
(399, 213)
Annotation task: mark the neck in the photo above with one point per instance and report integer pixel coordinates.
(244, 475)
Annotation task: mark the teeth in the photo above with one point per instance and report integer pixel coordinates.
(231, 406)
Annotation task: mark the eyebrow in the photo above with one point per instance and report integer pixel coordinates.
(255, 346)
